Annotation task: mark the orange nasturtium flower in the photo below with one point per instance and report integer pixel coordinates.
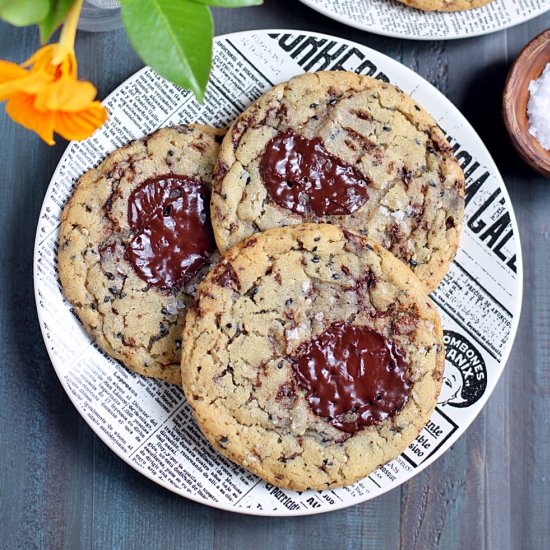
(43, 93)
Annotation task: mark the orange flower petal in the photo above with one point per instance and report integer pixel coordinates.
(11, 76)
(14, 79)
(65, 94)
(69, 65)
(41, 57)
(21, 109)
(82, 124)
(11, 71)
(53, 59)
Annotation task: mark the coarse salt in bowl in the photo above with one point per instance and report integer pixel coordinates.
(538, 108)
(526, 103)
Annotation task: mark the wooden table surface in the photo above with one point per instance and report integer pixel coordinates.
(61, 487)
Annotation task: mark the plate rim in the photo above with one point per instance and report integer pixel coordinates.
(367, 28)
(451, 109)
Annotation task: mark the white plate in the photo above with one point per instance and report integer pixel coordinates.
(392, 18)
(147, 422)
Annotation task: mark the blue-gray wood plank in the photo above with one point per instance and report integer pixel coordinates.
(61, 487)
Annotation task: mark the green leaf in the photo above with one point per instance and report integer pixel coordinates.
(5, 4)
(175, 38)
(24, 12)
(57, 13)
(230, 3)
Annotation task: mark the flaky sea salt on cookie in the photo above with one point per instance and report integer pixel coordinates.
(135, 241)
(342, 148)
(311, 356)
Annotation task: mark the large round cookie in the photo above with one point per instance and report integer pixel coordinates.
(342, 148)
(312, 356)
(445, 5)
(134, 242)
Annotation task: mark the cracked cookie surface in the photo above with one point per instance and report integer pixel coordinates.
(413, 184)
(133, 320)
(271, 296)
(445, 5)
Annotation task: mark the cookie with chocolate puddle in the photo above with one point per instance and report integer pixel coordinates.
(445, 5)
(135, 241)
(341, 148)
(312, 356)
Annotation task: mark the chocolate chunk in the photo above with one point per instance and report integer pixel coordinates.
(352, 376)
(169, 215)
(301, 175)
(225, 276)
(286, 390)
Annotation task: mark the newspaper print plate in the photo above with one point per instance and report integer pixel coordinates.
(392, 18)
(147, 422)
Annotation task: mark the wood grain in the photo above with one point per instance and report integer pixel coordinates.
(61, 487)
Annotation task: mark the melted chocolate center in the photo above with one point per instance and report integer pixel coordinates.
(352, 376)
(302, 176)
(172, 234)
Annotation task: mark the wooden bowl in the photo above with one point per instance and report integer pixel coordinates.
(528, 66)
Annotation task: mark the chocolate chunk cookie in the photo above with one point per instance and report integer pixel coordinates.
(312, 356)
(135, 241)
(342, 148)
(445, 5)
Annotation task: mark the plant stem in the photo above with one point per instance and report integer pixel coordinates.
(68, 33)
